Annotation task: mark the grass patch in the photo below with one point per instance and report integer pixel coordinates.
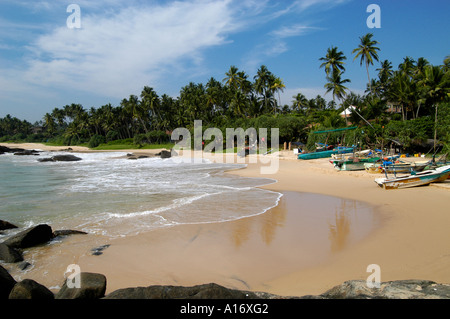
(124, 146)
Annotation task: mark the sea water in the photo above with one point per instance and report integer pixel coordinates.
(110, 195)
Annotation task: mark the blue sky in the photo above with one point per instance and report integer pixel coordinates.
(123, 46)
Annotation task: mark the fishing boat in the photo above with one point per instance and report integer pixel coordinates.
(324, 150)
(393, 168)
(414, 179)
(320, 147)
(324, 154)
(364, 153)
(441, 161)
(373, 168)
(353, 163)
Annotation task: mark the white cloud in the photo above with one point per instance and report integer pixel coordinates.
(120, 53)
(306, 4)
(292, 31)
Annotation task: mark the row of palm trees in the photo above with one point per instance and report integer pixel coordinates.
(10, 126)
(333, 62)
(415, 86)
(217, 101)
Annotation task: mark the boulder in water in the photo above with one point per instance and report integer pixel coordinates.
(60, 158)
(9, 254)
(6, 225)
(31, 237)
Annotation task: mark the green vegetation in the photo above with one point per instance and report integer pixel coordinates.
(410, 104)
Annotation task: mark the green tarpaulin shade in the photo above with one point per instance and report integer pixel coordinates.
(336, 130)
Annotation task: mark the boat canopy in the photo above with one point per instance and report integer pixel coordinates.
(336, 130)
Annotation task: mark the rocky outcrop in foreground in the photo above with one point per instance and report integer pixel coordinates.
(93, 286)
(11, 248)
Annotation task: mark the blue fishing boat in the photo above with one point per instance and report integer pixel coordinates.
(324, 154)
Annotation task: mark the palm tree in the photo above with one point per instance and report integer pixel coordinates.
(239, 104)
(233, 78)
(401, 91)
(49, 124)
(421, 64)
(95, 119)
(150, 107)
(407, 66)
(437, 87)
(108, 122)
(367, 52)
(300, 102)
(215, 97)
(385, 71)
(262, 83)
(447, 63)
(333, 61)
(277, 85)
(336, 86)
(59, 116)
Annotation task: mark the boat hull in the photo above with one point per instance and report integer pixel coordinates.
(324, 154)
(414, 180)
(353, 165)
(374, 168)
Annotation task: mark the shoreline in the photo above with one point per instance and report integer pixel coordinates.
(410, 242)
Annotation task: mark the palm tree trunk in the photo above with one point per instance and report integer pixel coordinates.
(368, 77)
(435, 129)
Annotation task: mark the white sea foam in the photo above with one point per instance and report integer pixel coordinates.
(109, 195)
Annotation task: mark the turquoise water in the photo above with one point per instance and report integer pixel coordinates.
(116, 197)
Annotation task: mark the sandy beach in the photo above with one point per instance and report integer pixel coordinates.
(285, 250)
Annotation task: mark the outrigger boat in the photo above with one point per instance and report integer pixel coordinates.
(352, 163)
(393, 168)
(324, 150)
(414, 179)
(324, 154)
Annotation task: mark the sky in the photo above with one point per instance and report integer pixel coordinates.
(52, 54)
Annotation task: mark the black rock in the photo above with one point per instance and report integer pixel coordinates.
(4, 149)
(27, 152)
(24, 265)
(99, 250)
(92, 286)
(7, 283)
(165, 154)
(9, 254)
(399, 289)
(206, 291)
(30, 289)
(66, 232)
(6, 225)
(66, 158)
(60, 158)
(31, 237)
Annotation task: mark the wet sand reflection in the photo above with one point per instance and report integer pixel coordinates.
(320, 225)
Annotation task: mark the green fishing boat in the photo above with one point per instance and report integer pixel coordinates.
(352, 164)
